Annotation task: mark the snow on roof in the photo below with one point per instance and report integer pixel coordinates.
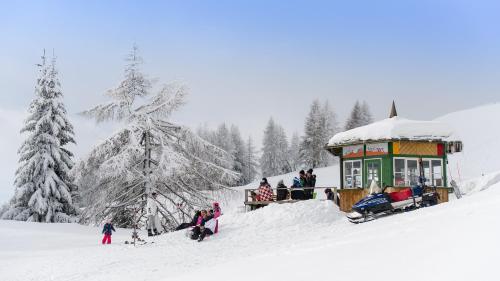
(394, 128)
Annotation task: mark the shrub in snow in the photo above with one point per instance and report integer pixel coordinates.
(43, 186)
(186, 168)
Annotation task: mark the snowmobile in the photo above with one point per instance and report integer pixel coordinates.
(379, 203)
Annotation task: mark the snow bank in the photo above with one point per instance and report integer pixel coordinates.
(479, 184)
(309, 240)
(394, 128)
(477, 128)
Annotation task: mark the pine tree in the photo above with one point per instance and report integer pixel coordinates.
(238, 152)
(43, 185)
(294, 152)
(149, 154)
(275, 159)
(366, 115)
(360, 116)
(329, 129)
(355, 117)
(250, 164)
(320, 125)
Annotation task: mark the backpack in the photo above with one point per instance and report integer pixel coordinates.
(296, 182)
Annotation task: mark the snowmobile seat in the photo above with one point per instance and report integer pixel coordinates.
(417, 190)
(400, 195)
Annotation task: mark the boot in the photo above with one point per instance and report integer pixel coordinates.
(156, 232)
(150, 233)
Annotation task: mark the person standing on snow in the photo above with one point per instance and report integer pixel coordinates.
(217, 210)
(107, 230)
(309, 181)
(152, 213)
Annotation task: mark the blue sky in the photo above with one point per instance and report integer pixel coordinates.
(246, 61)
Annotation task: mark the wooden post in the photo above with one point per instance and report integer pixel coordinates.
(335, 196)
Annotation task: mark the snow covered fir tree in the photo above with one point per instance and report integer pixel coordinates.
(148, 154)
(243, 153)
(43, 185)
(319, 126)
(360, 116)
(275, 159)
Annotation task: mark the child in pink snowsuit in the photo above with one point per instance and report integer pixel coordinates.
(107, 231)
(217, 213)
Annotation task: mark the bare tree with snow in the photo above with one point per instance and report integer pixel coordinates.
(43, 185)
(149, 154)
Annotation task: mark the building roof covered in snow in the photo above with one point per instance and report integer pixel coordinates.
(395, 128)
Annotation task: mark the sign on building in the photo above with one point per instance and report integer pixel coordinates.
(352, 151)
(373, 149)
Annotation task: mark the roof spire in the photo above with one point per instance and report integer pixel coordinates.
(394, 113)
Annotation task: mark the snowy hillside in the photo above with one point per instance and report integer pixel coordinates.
(478, 129)
(309, 240)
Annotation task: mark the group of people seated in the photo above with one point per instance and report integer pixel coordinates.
(302, 188)
(204, 222)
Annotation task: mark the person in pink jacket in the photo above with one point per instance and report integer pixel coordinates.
(217, 213)
(217, 210)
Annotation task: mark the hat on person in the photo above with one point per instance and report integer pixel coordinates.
(263, 181)
(302, 172)
(216, 204)
(310, 171)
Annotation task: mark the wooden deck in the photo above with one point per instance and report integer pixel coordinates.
(344, 198)
(253, 204)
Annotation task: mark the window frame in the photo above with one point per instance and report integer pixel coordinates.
(431, 170)
(405, 173)
(381, 161)
(344, 181)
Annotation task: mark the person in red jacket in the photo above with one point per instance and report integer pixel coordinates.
(265, 192)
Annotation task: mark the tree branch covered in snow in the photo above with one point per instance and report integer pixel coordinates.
(186, 167)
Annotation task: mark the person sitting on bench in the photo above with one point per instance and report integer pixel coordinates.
(264, 193)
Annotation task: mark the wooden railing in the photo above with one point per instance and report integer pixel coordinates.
(289, 198)
(344, 198)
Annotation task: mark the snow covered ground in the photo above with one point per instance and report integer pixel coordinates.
(308, 240)
(477, 128)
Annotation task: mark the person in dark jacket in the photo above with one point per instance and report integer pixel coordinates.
(329, 194)
(191, 223)
(107, 230)
(197, 230)
(309, 181)
(281, 191)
